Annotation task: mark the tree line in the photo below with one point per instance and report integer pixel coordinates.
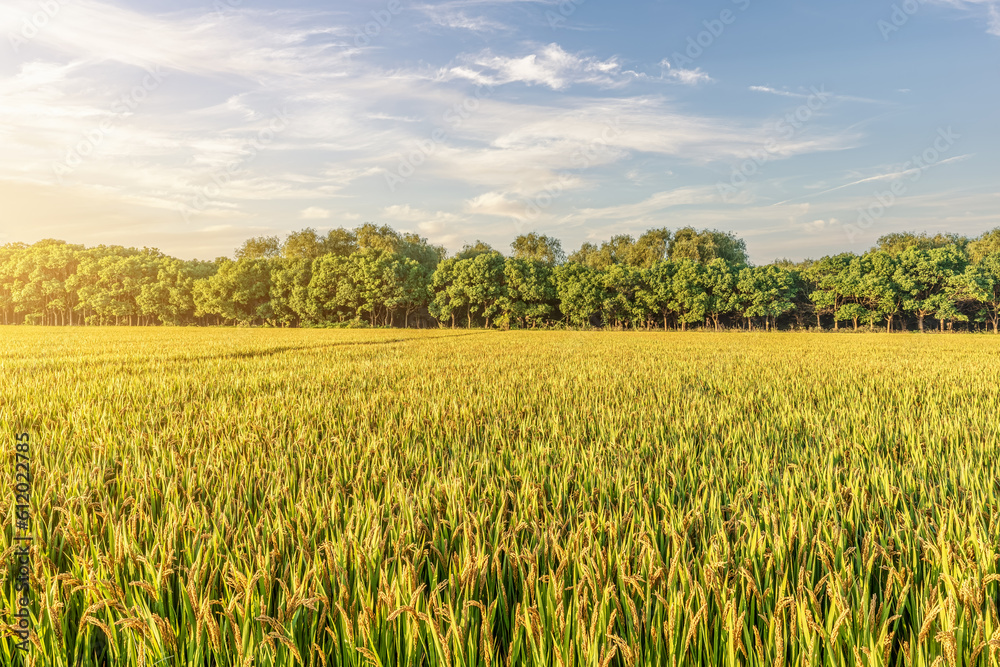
(376, 276)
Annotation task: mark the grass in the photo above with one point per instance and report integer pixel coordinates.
(285, 497)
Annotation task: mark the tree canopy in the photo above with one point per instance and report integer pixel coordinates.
(373, 275)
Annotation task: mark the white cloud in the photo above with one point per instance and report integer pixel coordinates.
(315, 213)
(500, 204)
(991, 8)
(440, 226)
(660, 201)
(551, 66)
(407, 213)
(688, 77)
(895, 173)
(820, 93)
(351, 121)
(775, 91)
(457, 20)
(817, 226)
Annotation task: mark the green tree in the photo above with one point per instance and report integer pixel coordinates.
(413, 287)
(531, 296)
(979, 286)
(340, 242)
(471, 251)
(482, 278)
(419, 250)
(690, 298)
(767, 292)
(659, 290)
(706, 245)
(538, 247)
(39, 281)
(259, 247)
(650, 248)
(170, 297)
(984, 246)
(580, 290)
(897, 243)
(374, 237)
(719, 282)
(447, 295)
(620, 305)
(239, 292)
(331, 293)
(290, 280)
(475, 284)
(618, 250)
(825, 278)
(923, 277)
(373, 272)
(305, 244)
(853, 312)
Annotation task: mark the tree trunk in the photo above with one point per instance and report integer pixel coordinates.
(920, 322)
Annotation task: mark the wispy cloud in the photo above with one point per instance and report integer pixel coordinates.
(551, 66)
(991, 9)
(457, 19)
(889, 176)
(819, 91)
(315, 213)
(688, 77)
(357, 112)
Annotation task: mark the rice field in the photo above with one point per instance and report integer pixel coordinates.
(304, 497)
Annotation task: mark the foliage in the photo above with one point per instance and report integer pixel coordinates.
(679, 280)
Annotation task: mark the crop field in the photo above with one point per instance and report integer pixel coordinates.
(237, 497)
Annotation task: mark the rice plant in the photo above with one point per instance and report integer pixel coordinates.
(345, 498)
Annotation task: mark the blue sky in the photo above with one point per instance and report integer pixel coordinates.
(808, 128)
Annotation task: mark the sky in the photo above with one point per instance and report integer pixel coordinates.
(806, 127)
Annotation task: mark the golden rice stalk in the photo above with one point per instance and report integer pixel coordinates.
(928, 621)
(289, 644)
